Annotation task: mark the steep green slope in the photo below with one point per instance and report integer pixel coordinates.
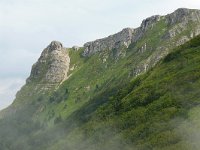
(157, 110)
(92, 76)
(101, 104)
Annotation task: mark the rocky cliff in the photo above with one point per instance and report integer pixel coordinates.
(183, 15)
(155, 37)
(50, 70)
(114, 41)
(122, 38)
(101, 95)
(52, 66)
(171, 30)
(175, 29)
(178, 21)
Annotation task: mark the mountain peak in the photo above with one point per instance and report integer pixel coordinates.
(182, 10)
(55, 45)
(52, 66)
(130, 35)
(183, 15)
(149, 21)
(122, 38)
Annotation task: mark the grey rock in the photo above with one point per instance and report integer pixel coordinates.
(197, 31)
(123, 38)
(182, 40)
(55, 45)
(180, 18)
(183, 15)
(179, 22)
(151, 61)
(149, 22)
(146, 25)
(75, 48)
(52, 66)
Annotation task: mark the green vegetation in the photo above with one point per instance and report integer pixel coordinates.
(157, 110)
(103, 106)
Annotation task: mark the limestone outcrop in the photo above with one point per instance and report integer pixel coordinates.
(52, 66)
(123, 38)
(183, 15)
(178, 21)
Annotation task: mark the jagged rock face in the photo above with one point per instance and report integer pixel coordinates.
(52, 66)
(123, 38)
(146, 25)
(183, 15)
(149, 22)
(178, 20)
(178, 28)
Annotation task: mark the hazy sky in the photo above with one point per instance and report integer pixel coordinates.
(28, 26)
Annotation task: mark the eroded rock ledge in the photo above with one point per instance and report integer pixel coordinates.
(181, 16)
(52, 66)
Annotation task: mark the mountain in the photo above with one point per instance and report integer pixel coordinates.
(136, 89)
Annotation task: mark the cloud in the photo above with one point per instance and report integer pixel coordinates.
(17, 63)
(8, 88)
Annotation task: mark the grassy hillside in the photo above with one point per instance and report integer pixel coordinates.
(107, 105)
(157, 110)
(91, 77)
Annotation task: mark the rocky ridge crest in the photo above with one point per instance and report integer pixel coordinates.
(181, 16)
(52, 66)
(122, 38)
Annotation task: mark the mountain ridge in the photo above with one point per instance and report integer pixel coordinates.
(175, 17)
(126, 94)
(119, 43)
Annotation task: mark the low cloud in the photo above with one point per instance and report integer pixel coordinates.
(8, 89)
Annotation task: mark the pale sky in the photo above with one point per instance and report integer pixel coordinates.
(28, 26)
